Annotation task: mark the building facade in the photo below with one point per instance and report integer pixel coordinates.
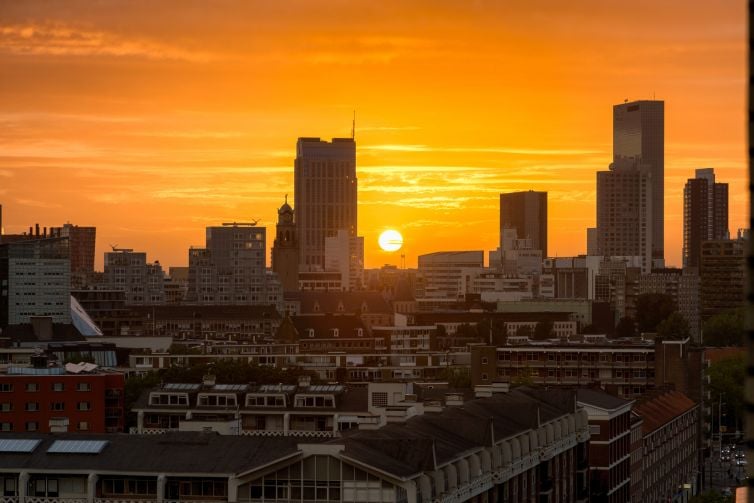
(527, 213)
(35, 281)
(639, 137)
(705, 214)
(722, 273)
(285, 249)
(441, 274)
(142, 282)
(325, 192)
(81, 243)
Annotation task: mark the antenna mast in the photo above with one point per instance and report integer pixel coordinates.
(353, 126)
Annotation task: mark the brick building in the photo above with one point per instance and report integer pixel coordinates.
(61, 399)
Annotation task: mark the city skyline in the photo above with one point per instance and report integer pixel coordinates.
(473, 103)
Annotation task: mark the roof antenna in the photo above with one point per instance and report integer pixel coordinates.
(353, 126)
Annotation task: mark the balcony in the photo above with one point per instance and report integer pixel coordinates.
(35, 499)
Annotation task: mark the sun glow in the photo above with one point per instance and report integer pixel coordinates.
(390, 240)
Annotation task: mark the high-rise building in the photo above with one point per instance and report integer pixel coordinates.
(285, 250)
(325, 195)
(231, 268)
(345, 254)
(441, 274)
(127, 270)
(705, 214)
(722, 271)
(527, 213)
(625, 212)
(639, 136)
(35, 281)
(81, 241)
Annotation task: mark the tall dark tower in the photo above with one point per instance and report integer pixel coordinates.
(325, 188)
(705, 214)
(527, 213)
(285, 250)
(639, 136)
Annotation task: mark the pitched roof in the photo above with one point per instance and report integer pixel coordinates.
(169, 453)
(600, 399)
(339, 302)
(348, 325)
(659, 409)
(187, 311)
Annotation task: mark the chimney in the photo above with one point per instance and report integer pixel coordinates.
(1, 222)
(36, 226)
(31, 231)
(44, 232)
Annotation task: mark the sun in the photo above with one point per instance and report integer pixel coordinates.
(390, 240)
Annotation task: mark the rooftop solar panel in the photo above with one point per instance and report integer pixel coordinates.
(181, 386)
(18, 445)
(77, 446)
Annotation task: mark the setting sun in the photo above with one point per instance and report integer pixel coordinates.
(390, 240)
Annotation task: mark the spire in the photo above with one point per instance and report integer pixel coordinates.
(353, 126)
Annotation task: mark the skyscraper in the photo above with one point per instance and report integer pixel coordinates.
(81, 242)
(639, 136)
(705, 214)
(624, 212)
(527, 213)
(325, 188)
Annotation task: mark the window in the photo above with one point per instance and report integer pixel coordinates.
(6, 407)
(83, 406)
(32, 426)
(57, 406)
(6, 387)
(379, 399)
(6, 426)
(83, 386)
(32, 386)
(594, 429)
(58, 386)
(32, 406)
(83, 426)
(484, 360)
(311, 332)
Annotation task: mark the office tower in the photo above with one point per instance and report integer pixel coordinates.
(127, 270)
(639, 136)
(527, 213)
(705, 214)
(231, 268)
(35, 281)
(81, 241)
(325, 196)
(591, 241)
(624, 212)
(285, 250)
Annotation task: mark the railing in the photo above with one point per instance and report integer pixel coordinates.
(289, 433)
(8, 499)
(35, 499)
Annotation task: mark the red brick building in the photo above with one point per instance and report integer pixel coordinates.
(609, 445)
(53, 400)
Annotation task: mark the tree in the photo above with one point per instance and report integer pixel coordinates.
(674, 327)
(626, 327)
(543, 330)
(726, 378)
(524, 377)
(711, 497)
(455, 377)
(651, 309)
(724, 329)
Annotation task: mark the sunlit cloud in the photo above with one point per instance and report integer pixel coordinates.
(56, 39)
(482, 150)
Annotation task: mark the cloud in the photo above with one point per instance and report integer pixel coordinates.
(57, 39)
(480, 150)
(36, 204)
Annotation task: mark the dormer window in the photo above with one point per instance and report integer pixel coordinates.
(340, 307)
(360, 332)
(316, 307)
(311, 332)
(334, 332)
(364, 307)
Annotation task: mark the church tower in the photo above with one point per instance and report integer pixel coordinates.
(285, 251)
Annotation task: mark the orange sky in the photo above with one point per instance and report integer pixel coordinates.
(152, 120)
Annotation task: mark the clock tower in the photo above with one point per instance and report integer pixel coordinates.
(285, 251)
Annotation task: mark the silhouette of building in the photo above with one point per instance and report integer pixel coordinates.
(527, 213)
(285, 251)
(127, 270)
(625, 212)
(325, 194)
(705, 214)
(722, 271)
(639, 136)
(81, 242)
(231, 268)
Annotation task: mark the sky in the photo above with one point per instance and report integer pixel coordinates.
(152, 120)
